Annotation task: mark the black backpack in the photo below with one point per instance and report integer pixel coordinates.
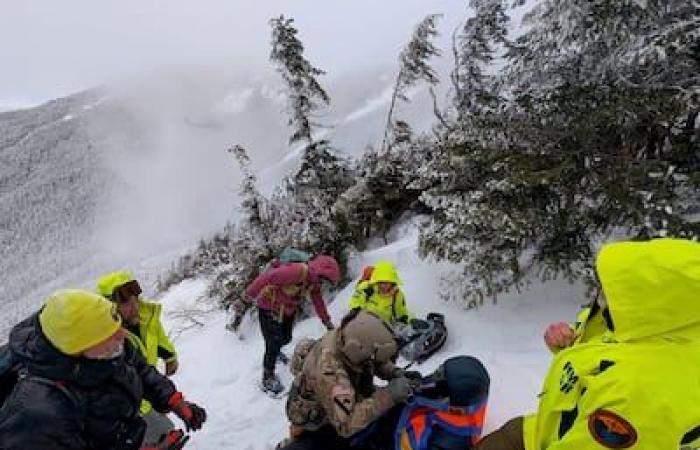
(9, 373)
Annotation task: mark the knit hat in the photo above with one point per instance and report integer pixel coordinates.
(74, 320)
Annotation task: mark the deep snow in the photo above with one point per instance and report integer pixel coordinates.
(221, 372)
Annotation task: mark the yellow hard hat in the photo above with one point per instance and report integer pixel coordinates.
(74, 320)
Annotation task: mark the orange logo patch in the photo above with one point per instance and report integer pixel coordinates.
(610, 430)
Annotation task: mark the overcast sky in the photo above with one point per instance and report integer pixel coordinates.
(51, 48)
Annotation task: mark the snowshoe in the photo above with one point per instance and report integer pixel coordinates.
(272, 386)
(419, 340)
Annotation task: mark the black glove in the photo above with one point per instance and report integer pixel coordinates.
(399, 389)
(174, 440)
(415, 378)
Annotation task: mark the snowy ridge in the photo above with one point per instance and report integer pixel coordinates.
(220, 371)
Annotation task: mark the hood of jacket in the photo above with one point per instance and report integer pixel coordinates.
(652, 288)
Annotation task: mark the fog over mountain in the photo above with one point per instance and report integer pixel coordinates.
(112, 176)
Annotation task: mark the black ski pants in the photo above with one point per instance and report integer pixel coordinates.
(277, 333)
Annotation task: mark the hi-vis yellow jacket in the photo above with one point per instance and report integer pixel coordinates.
(636, 386)
(152, 337)
(391, 308)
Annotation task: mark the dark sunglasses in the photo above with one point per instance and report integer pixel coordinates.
(126, 290)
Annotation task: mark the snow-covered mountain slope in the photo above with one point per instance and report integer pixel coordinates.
(50, 189)
(221, 372)
(110, 177)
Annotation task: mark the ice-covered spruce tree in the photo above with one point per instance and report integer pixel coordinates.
(304, 93)
(323, 174)
(251, 244)
(464, 156)
(384, 189)
(593, 129)
(414, 66)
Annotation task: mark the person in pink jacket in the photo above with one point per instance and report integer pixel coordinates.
(278, 294)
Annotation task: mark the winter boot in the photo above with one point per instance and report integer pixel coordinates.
(272, 385)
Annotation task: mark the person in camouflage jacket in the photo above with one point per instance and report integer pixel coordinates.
(333, 400)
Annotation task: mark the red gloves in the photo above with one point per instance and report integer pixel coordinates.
(174, 440)
(193, 415)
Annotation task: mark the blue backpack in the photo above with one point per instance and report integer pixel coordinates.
(292, 255)
(449, 409)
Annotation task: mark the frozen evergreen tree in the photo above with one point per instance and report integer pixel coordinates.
(413, 67)
(304, 92)
(476, 46)
(307, 200)
(253, 205)
(321, 178)
(593, 130)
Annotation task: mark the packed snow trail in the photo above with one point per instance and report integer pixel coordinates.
(222, 372)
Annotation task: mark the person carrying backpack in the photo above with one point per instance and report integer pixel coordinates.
(380, 293)
(278, 294)
(80, 382)
(142, 320)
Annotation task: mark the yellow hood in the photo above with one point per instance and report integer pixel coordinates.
(384, 271)
(108, 282)
(652, 288)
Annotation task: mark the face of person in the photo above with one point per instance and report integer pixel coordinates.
(129, 310)
(386, 288)
(110, 348)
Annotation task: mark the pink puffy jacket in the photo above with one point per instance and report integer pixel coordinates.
(282, 289)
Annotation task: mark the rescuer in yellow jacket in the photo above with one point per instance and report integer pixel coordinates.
(634, 383)
(381, 294)
(142, 320)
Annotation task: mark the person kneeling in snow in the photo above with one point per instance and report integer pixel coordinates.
(378, 291)
(333, 398)
(628, 376)
(279, 293)
(81, 384)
